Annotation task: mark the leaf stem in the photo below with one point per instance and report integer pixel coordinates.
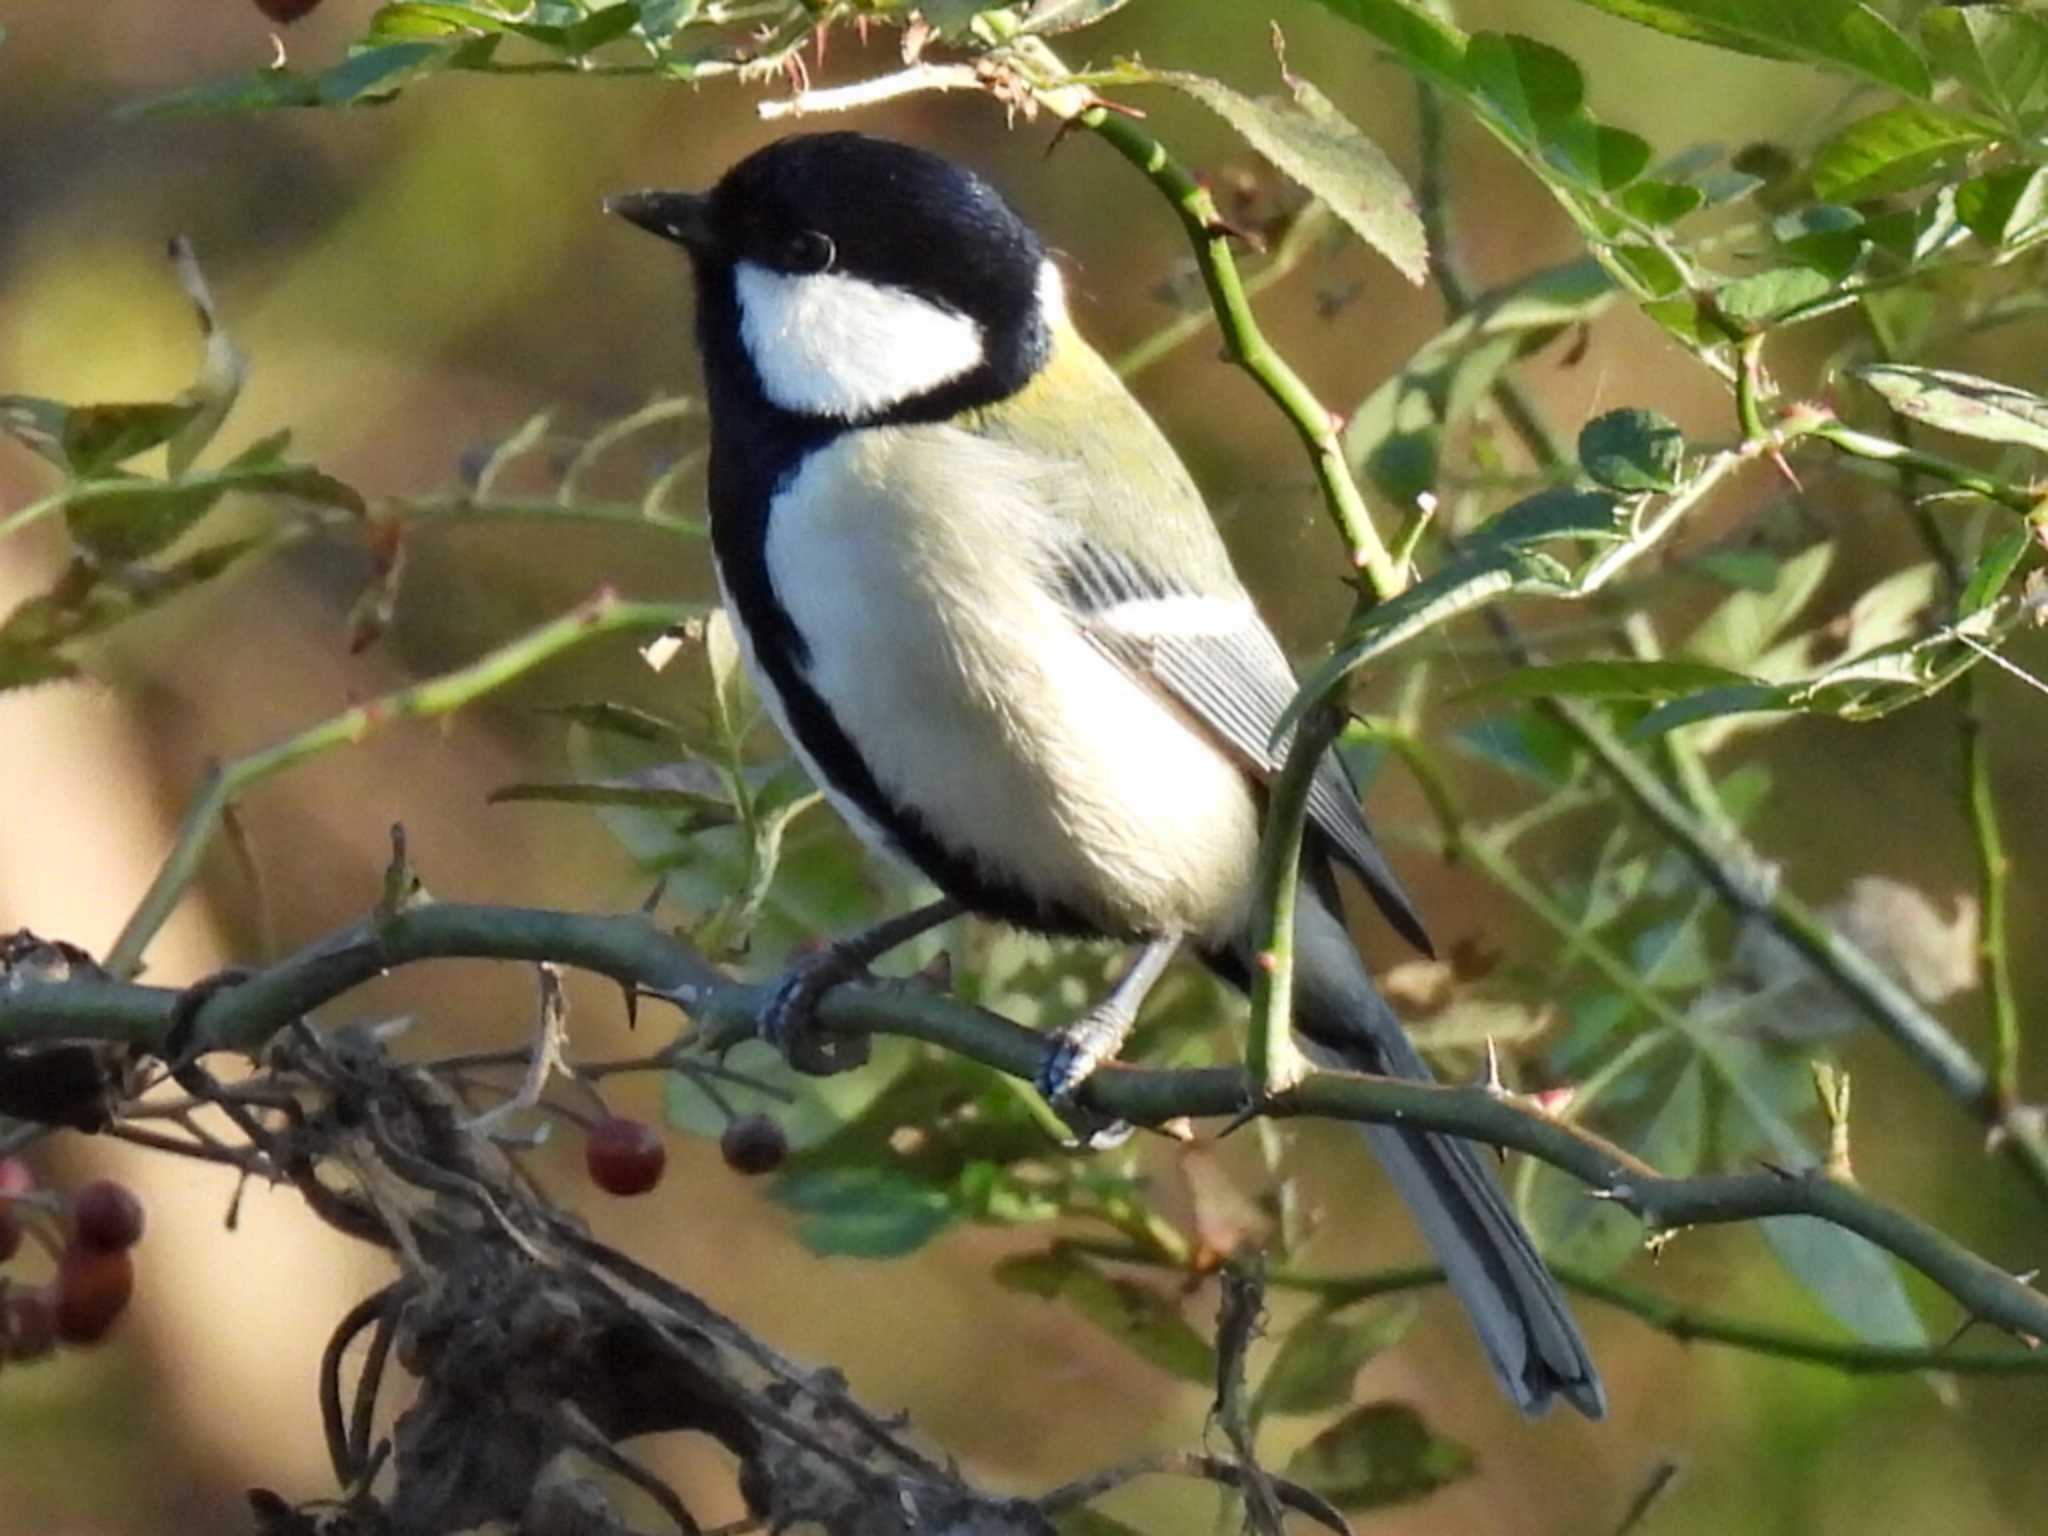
(601, 615)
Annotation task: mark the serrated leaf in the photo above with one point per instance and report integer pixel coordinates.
(1895, 149)
(1047, 17)
(1764, 296)
(1377, 1455)
(1633, 451)
(863, 1213)
(1843, 34)
(2000, 52)
(1321, 1356)
(1962, 403)
(1144, 1319)
(1314, 144)
(1856, 1282)
(1603, 680)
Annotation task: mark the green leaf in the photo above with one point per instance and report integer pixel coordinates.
(1142, 1318)
(1603, 680)
(1764, 296)
(1962, 403)
(1712, 704)
(865, 1213)
(431, 19)
(625, 720)
(1394, 435)
(932, 1122)
(119, 519)
(1312, 142)
(1855, 1281)
(1046, 17)
(1498, 557)
(1999, 51)
(1661, 202)
(38, 425)
(1895, 149)
(1999, 204)
(1539, 93)
(70, 611)
(1431, 47)
(1842, 34)
(1994, 570)
(1380, 1454)
(1633, 451)
(1320, 1357)
(98, 437)
(1747, 624)
(378, 73)
(1746, 570)
(219, 384)
(692, 809)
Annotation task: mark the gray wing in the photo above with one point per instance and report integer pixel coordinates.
(1214, 657)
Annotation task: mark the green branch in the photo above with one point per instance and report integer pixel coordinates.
(633, 952)
(601, 615)
(1686, 1323)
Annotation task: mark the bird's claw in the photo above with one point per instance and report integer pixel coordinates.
(789, 1020)
(1078, 1049)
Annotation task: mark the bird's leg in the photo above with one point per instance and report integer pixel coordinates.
(786, 1022)
(1095, 1037)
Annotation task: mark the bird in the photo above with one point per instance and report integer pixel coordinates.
(981, 596)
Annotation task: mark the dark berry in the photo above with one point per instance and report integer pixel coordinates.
(754, 1144)
(93, 1287)
(105, 1215)
(285, 10)
(625, 1157)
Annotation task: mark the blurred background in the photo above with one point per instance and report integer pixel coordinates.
(412, 282)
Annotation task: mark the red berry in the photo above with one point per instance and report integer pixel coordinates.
(625, 1157)
(285, 10)
(15, 1179)
(28, 1326)
(754, 1144)
(93, 1287)
(105, 1215)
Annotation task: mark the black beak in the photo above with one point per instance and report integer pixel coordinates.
(684, 217)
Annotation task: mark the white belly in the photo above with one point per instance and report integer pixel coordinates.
(977, 702)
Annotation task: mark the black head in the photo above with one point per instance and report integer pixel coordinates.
(936, 294)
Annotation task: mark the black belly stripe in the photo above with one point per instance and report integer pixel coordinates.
(756, 452)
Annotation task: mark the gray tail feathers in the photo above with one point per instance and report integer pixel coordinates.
(1520, 1316)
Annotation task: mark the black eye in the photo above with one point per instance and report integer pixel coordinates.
(810, 250)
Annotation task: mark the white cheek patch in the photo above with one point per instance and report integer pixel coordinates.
(825, 344)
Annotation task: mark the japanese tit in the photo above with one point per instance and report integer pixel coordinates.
(987, 606)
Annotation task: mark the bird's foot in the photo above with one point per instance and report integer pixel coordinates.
(789, 1020)
(1078, 1048)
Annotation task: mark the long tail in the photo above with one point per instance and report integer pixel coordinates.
(1523, 1324)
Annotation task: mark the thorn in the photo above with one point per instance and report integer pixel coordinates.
(653, 898)
(1494, 1085)
(1616, 1192)
(1776, 455)
(631, 994)
(1216, 227)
